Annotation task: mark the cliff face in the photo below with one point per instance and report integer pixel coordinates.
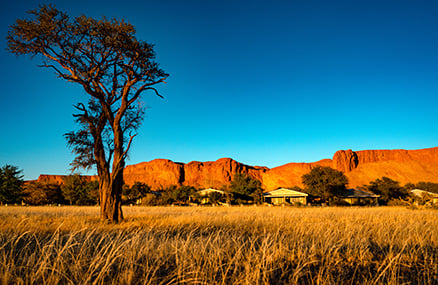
(161, 173)
(348, 160)
(360, 167)
(401, 165)
(217, 173)
(289, 175)
(158, 173)
(345, 160)
(59, 179)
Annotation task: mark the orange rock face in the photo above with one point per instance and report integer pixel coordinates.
(289, 175)
(162, 173)
(345, 160)
(158, 173)
(360, 167)
(59, 179)
(401, 165)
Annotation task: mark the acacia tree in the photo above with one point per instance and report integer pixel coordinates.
(324, 182)
(246, 187)
(114, 68)
(388, 189)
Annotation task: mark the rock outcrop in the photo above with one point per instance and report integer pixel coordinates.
(401, 165)
(59, 179)
(162, 173)
(158, 173)
(217, 173)
(360, 167)
(345, 160)
(289, 175)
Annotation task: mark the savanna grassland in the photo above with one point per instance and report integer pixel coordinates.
(215, 245)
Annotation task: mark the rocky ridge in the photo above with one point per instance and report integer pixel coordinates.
(360, 167)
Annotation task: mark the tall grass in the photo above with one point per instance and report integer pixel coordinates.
(237, 245)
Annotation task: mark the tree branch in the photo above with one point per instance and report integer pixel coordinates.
(147, 87)
(129, 146)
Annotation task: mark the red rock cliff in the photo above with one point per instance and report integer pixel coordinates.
(289, 175)
(401, 165)
(161, 173)
(345, 160)
(360, 167)
(348, 160)
(59, 179)
(158, 173)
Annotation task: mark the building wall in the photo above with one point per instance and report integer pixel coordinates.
(290, 200)
(361, 201)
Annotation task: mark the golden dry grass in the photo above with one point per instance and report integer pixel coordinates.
(237, 245)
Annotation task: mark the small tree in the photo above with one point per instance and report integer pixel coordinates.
(37, 193)
(11, 182)
(180, 194)
(324, 182)
(426, 186)
(136, 191)
(244, 187)
(215, 197)
(388, 189)
(114, 68)
(78, 191)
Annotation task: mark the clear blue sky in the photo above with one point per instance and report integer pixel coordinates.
(263, 82)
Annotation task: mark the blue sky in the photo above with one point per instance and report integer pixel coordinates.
(263, 82)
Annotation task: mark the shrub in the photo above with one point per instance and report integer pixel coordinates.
(37, 193)
(11, 182)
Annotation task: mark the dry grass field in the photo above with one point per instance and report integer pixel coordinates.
(202, 245)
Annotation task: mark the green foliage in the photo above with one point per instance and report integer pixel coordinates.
(215, 198)
(176, 195)
(135, 192)
(151, 199)
(244, 188)
(324, 182)
(37, 193)
(426, 186)
(80, 192)
(11, 182)
(388, 190)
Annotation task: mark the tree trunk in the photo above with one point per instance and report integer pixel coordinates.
(110, 195)
(111, 191)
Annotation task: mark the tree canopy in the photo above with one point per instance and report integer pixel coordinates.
(244, 187)
(135, 192)
(388, 189)
(37, 193)
(78, 191)
(11, 181)
(114, 68)
(426, 186)
(324, 182)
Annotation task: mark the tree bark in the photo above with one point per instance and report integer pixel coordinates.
(110, 184)
(111, 200)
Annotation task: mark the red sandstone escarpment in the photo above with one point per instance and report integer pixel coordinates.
(348, 160)
(289, 175)
(216, 173)
(158, 173)
(161, 173)
(360, 167)
(404, 166)
(345, 160)
(59, 179)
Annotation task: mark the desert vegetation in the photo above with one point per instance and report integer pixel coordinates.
(219, 245)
